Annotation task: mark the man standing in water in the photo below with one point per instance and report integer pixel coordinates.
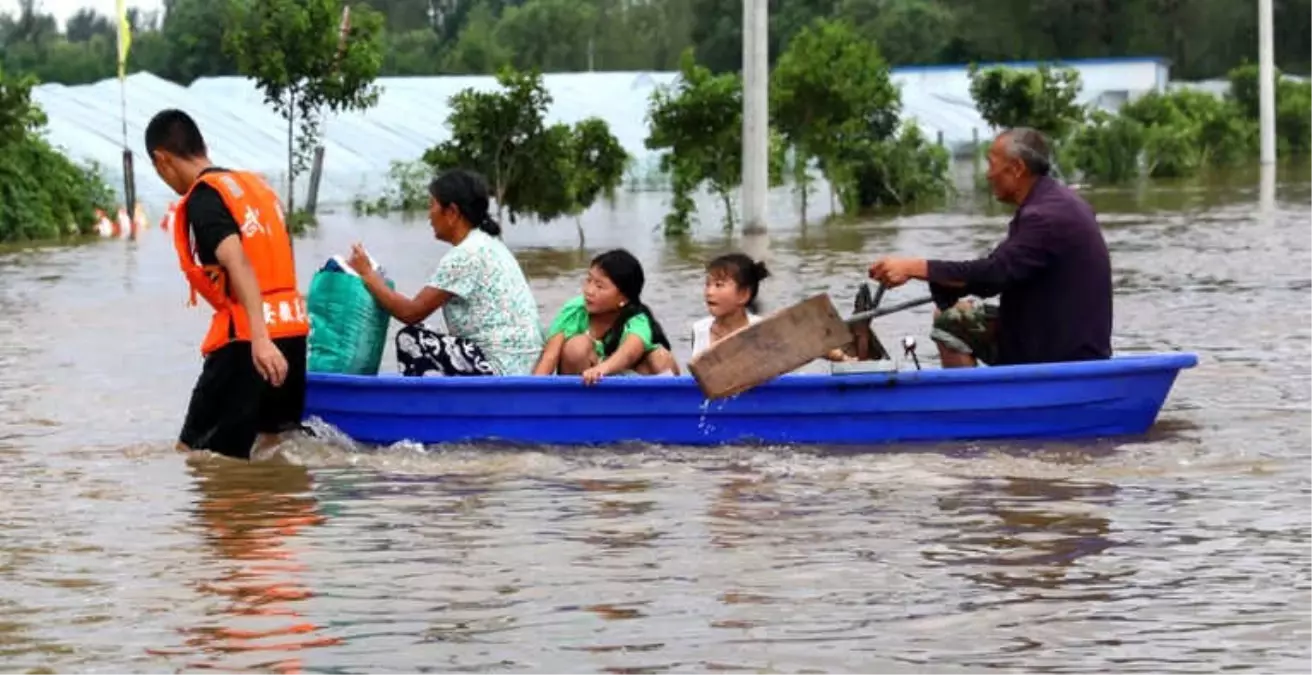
(1052, 273)
(234, 250)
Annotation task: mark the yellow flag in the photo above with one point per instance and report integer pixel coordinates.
(124, 37)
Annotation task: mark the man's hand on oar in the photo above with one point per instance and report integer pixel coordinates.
(894, 272)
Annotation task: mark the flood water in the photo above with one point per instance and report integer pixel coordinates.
(1187, 550)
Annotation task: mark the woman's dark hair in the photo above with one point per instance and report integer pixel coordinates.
(744, 271)
(467, 191)
(625, 272)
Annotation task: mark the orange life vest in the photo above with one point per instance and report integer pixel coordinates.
(264, 238)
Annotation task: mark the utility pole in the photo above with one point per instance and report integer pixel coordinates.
(1266, 78)
(756, 114)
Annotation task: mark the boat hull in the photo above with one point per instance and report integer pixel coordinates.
(1115, 397)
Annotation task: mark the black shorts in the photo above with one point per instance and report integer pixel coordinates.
(231, 404)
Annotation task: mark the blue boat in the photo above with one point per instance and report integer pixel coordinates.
(1120, 396)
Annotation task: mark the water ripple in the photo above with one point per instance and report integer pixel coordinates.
(1184, 550)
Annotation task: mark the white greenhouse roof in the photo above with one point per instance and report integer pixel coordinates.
(410, 117)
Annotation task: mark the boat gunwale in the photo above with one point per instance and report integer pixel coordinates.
(1120, 365)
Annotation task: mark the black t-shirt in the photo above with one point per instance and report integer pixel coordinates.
(209, 219)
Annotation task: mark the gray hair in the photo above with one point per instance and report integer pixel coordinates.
(1030, 146)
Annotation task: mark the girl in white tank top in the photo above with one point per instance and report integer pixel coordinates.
(732, 283)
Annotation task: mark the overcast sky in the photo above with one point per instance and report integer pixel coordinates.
(62, 9)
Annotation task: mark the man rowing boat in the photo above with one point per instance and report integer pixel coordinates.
(234, 250)
(1052, 272)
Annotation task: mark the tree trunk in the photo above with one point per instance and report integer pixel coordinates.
(804, 191)
(728, 210)
(800, 157)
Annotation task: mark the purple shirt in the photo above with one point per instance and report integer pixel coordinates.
(1053, 274)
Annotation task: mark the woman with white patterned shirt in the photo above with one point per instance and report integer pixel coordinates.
(485, 299)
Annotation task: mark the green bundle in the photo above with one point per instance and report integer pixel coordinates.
(348, 328)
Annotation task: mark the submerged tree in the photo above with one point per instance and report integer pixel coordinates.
(532, 168)
(45, 195)
(830, 87)
(299, 56)
(698, 121)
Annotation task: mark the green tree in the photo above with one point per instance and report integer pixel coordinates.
(193, 32)
(1200, 38)
(86, 24)
(1187, 129)
(548, 35)
(1180, 132)
(495, 133)
(534, 169)
(717, 29)
(904, 169)
(597, 163)
(1042, 98)
(833, 101)
(43, 195)
(294, 51)
(594, 166)
(907, 31)
(829, 87)
(476, 50)
(1108, 148)
(19, 114)
(1293, 107)
(698, 121)
(411, 52)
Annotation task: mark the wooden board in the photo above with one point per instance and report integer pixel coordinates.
(779, 343)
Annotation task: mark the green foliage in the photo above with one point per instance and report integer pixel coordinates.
(476, 50)
(1187, 129)
(1042, 98)
(43, 195)
(1244, 87)
(495, 133)
(1168, 134)
(1164, 135)
(406, 192)
(190, 43)
(295, 52)
(549, 35)
(1201, 38)
(907, 31)
(1293, 108)
(829, 87)
(1294, 118)
(19, 116)
(899, 171)
(1108, 148)
(698, 120)
(533, 169)
(833, 101)
(597, 163)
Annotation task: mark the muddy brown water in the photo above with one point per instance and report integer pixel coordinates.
(1186, 550)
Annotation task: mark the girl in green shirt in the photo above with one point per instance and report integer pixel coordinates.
(607, 330)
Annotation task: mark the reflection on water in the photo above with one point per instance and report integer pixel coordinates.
(1029, 532)
(1184, 550)
(250, 517)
